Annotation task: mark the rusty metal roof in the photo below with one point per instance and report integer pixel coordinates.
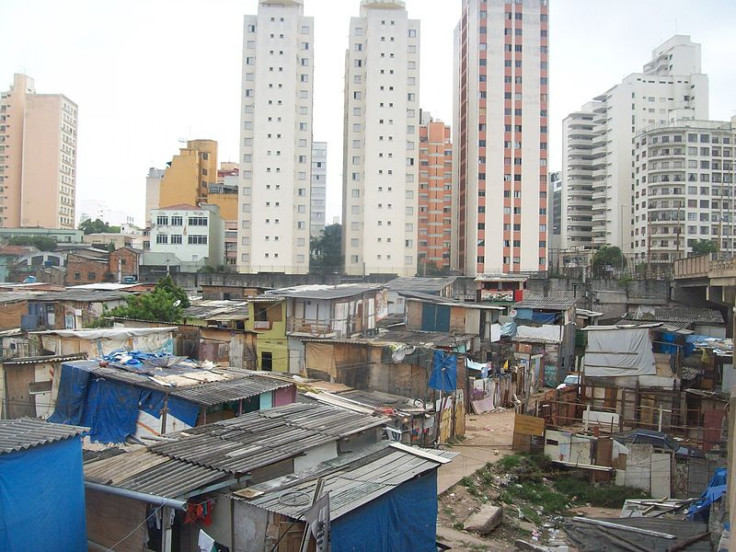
(27, 433)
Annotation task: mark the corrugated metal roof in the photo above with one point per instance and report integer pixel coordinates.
(217, 310)
(351, 482)
(210, 394)
(689, 315)
(146, 472)
(340, 291)
(42, 359)
(427, 298)
(546, 303)
(258, 439)
(419, 338)
(82, 296)
(407, 283)
(190, 383)
(27, 433)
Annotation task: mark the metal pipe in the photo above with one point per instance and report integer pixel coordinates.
(135, 495)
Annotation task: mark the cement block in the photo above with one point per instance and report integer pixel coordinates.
(485, 520)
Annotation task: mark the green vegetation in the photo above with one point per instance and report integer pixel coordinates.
(603, 496)
(326, 251)
(165, 303)
(98, 226)
(702, 247)
(607, 259)
(42, 243)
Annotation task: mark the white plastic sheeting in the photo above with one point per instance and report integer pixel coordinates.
(619, 352)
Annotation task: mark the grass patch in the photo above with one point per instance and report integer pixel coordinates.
(508, 463)
(539, 495)
(602, 496)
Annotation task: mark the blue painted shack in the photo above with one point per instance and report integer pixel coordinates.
(41, 486)
(381, 499)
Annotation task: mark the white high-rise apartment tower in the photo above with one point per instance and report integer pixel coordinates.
(500, 146)
(598, 165)
(381, 141)
(276, 139)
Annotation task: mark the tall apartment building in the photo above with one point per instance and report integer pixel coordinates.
(435, 194)
(500, 145)
(319, 188)
(276, 139)
(153, 192)
(598, 162)
(381, 135)
(554, 211)
(684, 189)
(38, 157)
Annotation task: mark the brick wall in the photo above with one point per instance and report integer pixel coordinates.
(82, 270)
(126, 260)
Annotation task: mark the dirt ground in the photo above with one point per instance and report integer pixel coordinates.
(488, 437)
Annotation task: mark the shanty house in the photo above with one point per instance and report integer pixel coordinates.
(382, 499)
(98, 342)
(159, 395)
(27, 385)
(193, 473)
(330, 312)
(41, 486)
(70, 309)
(438, 287)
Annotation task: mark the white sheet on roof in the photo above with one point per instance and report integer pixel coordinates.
(550, 332)
(624, 352)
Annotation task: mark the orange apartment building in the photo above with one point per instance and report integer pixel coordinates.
(435, 194)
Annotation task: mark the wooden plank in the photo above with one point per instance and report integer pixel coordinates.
(528, 425)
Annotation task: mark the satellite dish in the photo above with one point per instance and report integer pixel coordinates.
(177, 302)
(513, 313)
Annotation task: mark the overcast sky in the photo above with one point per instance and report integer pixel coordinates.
(149, 73)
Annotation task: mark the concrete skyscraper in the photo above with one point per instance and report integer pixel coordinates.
(500, 144)
(435, 194)
(598, 165)
(381, 136)
(319, 188)
(276, 139)
(38, 157)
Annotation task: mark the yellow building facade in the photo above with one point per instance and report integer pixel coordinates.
(189, 175)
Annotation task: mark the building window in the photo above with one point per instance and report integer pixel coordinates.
(176, 239)
(162, 220)
(91, 275)
(197, 240)
(177, 221)
(162, 238)
(197, 221)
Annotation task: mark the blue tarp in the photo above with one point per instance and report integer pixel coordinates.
(715, 490)
(110, 408)
(401, 520)
(444, 372)
(71, 397)
(42, 498)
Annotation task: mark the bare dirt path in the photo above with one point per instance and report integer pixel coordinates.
(488, 437)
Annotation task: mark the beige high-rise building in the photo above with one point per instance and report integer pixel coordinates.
(381, 135)
(38, 157)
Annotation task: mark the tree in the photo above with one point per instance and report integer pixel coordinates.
(608, 256)
(326, 250)
(702, 247)
(98, 226)
(165, 303)
(42, 243)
